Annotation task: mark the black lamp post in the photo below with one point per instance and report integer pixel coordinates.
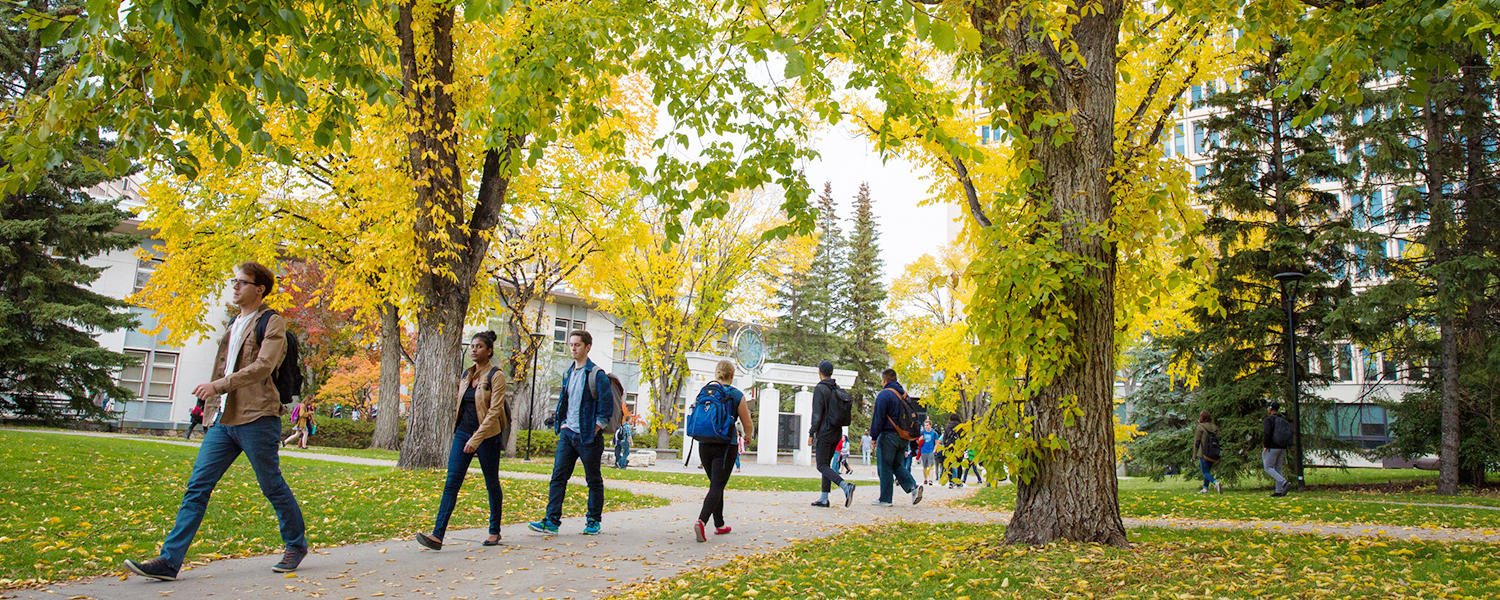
(1288, 298)
(536, 348)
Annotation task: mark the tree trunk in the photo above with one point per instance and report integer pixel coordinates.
(1074, 493)
(388, 417)
(429, 423)
(1442, 251)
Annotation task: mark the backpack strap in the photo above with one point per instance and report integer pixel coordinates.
(260, 326)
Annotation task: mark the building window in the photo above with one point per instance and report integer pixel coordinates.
(569, 319)
(630, 400)
(1363, 423)
(624, 349)
(151, 382)
(1343, 363)
(145, 267)
(1200, 173)
(1179, 143)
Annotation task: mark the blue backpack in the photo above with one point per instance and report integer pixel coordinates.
(712, 419)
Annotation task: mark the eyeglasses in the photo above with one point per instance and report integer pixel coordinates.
(238, 283)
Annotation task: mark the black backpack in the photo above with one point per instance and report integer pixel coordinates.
(1281, 432)
(1211, 449)
(840, 405)
(288, 375)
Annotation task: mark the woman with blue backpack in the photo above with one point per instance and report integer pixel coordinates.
(1206, 450)
(712, 425)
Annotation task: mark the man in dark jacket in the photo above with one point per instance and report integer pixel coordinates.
(1272, 452)
(824, 435)
(584, 409)
(890, 451)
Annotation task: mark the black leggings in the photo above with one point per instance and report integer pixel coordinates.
(718, 460)
(823, 456)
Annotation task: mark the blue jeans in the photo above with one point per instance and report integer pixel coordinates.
(569, 451)
(260, 440)
(622, 453)
(458, 467)
(888, 464)
(1208, 471)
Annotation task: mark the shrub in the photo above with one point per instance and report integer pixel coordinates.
(543, 442)
(342, 433)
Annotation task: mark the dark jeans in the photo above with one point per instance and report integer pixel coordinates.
(823, 457)
(888, 463)
(569, 451)
(622, 453)
(1208, 471)
(458, 467)
(259, 440)
(716, 459)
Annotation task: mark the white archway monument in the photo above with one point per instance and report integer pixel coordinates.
(701, 371)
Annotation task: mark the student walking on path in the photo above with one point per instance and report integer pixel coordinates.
(718, 455)
(195, 419)
(584, 407)
(951, 453)
(1206, 450)
(890, 447)
(622, 445)
(301, 424)
(929, 452)
(243, 410)
(824, 435)
(478, 418)
(1275, 436)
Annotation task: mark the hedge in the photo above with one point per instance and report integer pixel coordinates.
(342, 433)
(543, 442)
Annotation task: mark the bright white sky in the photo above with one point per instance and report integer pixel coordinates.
(906, 230)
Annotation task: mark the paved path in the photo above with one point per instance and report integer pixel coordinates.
(636, 546)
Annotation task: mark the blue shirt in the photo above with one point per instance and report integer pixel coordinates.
(929, 442)
(575, 401)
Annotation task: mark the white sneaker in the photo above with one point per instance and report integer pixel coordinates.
(879, 503)
(1203, 491)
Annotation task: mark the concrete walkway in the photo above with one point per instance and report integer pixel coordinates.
(636, 546)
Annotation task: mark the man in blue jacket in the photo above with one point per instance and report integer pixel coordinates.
(584, 408)
(890, 450)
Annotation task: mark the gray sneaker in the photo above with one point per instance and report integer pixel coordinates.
(916, 495)
(290, 558)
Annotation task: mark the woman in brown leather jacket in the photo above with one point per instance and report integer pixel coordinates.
(479, 417)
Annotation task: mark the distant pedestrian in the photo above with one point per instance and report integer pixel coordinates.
(739, 442)
(479, 416)
(585, 404)
(866, 445)
(890, 446)
(951, 454)
(843, 456)
(1206, 450)
(622, 446)
(195, 419)
(243, 410)
(929, 452)
(824, 435)
(301, 414)
(716, 454)
(1276, 434)
(971, 466)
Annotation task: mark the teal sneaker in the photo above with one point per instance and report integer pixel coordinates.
(543, 527)
(592, 528)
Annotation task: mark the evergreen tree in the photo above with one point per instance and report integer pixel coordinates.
(1437, 310)
(810, 329)
(48, 318)
(1162, 407)
(1266, 217)
(860, 303)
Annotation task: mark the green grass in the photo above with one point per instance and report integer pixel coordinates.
(1373, 505)
(964, 562)
(73, 506)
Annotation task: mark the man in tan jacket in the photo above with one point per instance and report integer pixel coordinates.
(243, 411)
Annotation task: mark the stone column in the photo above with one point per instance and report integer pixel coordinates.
(766, 425)
(804, 407)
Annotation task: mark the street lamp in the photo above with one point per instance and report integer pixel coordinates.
(1288, 298)
(536, 348)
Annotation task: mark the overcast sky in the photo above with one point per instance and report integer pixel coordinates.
(907, 231)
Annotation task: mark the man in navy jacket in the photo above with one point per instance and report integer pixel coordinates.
(584, 407)
(890, 450)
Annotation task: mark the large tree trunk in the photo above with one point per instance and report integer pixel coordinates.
(1074, 493)
(388, 417)
(429, 424)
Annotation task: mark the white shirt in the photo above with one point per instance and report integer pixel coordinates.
(237, 331)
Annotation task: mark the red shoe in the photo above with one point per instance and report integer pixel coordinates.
(698, 531)
(722, 530)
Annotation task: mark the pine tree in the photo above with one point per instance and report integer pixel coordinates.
(810, 329)
(1162, 406)
(1266, 217)
(1437, 310)
(48, 317)
(860, 302)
